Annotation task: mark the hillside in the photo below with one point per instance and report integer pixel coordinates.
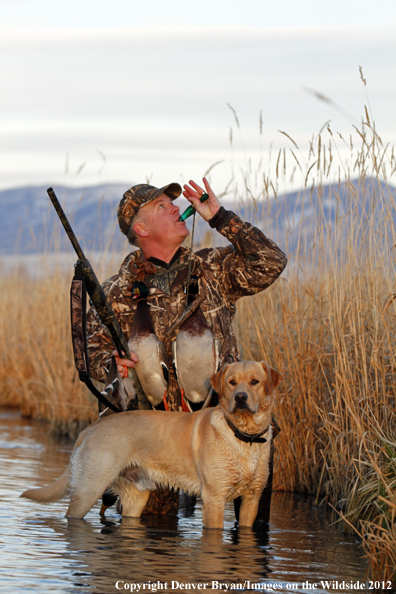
(29, 224)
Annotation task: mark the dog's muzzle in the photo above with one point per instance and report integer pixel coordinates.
(240, 399)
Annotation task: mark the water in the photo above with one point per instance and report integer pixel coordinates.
(42, 551)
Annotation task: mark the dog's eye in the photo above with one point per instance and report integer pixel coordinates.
(232, 382)
(254, 382)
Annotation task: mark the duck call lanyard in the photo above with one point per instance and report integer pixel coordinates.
(187, 213)
(190, 257)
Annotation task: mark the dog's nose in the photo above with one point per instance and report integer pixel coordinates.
(240, 397)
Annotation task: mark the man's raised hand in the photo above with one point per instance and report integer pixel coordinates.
(193, 193)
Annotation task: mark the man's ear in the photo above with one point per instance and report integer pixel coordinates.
(215, 380)
(273, 378)
(140, 230)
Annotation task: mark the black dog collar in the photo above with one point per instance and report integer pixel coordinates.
(246, 437)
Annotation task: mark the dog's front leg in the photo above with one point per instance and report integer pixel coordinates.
(213, 510)
(249, 508)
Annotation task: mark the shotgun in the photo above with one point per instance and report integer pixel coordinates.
(98, 298)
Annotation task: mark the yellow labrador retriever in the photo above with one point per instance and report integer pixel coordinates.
(217, 453)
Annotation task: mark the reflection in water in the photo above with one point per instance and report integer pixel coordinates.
(43, 551)
(141, 551)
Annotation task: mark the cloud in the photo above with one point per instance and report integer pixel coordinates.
(155, 98)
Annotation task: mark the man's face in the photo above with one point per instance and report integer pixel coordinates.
(162, 221)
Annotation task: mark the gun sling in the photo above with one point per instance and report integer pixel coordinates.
(78, 311)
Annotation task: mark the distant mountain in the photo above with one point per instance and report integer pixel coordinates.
(328, 214)
(29, 224)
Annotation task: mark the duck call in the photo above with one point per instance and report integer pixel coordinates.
(190, 209)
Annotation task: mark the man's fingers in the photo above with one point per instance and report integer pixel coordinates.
(126, 362)
(195, 192)
(196, 187)
(207, 186)
(122, 370)
(190, 194)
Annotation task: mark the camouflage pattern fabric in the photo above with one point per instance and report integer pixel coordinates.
(249, 265)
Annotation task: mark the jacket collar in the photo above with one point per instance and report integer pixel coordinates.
(166, 265)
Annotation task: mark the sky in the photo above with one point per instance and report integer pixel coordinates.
(145, 90)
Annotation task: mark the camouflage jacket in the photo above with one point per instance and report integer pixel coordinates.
(249, 265)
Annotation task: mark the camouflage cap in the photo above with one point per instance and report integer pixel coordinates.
(138, 196)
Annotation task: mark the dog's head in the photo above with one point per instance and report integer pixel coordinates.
(245, 388)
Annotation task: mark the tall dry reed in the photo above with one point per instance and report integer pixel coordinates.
(37, 373)
(329, 325)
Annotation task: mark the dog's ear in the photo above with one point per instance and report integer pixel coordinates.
(215, 380)
(273, 378)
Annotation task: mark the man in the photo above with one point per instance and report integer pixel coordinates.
(150, 219)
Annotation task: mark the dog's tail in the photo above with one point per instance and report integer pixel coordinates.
(60, 487)
(53, 492)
